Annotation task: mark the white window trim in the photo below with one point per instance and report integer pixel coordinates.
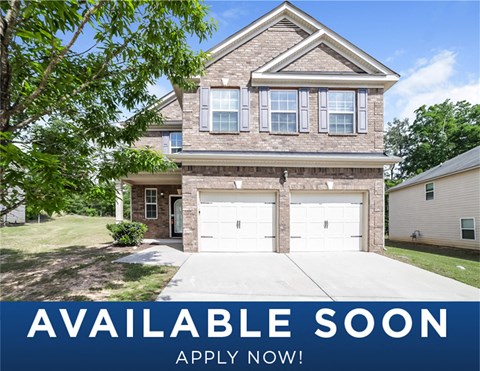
(354, 112)
(432, 191)
(468, 229)
(224, 110)
(171, 143)
(282, 111)
(151, 203)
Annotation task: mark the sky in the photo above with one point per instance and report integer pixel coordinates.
(433, 45)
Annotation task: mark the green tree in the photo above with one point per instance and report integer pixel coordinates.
(396, 144)
(439, 133)
(67, 71)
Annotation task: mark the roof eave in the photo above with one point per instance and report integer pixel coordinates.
(426, 180)
(275, 160)
(313, 80)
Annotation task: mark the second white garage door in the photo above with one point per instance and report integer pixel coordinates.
(325, 222)
(237, 222)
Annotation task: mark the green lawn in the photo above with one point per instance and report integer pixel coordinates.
(462, 266)
(71, 258)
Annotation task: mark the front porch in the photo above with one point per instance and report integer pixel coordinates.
(156, 201)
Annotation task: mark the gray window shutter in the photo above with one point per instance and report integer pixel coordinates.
(264, 109)
(323, 110)
(204, 109)
(165, 142)
(304, 125)
(244, 109)
(362, 111)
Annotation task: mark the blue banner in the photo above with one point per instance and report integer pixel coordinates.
(240, 336)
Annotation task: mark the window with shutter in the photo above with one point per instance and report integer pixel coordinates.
(283, 111)
(342, 111)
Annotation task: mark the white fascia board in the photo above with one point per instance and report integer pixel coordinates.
(164, 101)
(310, 43)
(357, 52)
(172, 177)
(303, 21)
(312, 80)
(209, 159)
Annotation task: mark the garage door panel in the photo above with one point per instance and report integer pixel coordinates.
(326, 222)
(298, 213)
(225, 229)
(335, 228)
(315, 229)
(266, 213)
(335, 212)
(240, 222)
(352, 229)
(209, 229)
(209, 212)
(315, 212)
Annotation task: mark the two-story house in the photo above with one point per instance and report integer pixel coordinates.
(280, 148)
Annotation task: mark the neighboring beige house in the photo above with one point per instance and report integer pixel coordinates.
(440, 206)
(280, 147)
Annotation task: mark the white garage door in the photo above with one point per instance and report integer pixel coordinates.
(325, 222)
(237, 222)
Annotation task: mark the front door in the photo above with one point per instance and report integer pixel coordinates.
(176, 220)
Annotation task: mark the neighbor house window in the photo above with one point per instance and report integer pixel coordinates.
(468, 228)
(341, 112)
(225, 103)
(150, 203)
(429, 191)
(175, 142)
(283, 111)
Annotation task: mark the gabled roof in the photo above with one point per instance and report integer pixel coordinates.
(466, 161)
(377, 74)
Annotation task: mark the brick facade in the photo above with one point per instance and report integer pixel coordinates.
(237, 66)
(254, 140)
(160, 227)
(368, 181)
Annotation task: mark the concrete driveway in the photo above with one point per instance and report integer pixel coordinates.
(309, 277)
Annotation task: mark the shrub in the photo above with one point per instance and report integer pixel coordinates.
(127, 233)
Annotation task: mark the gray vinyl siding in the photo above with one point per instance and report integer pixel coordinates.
(456, 196)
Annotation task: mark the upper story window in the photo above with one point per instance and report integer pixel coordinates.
(429, 191)
(468, 228)
(175, 142)
(150, 203)
(341, 112)
(283, 111)
(225, 107)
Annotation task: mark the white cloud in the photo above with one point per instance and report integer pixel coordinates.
(397, 53)
(430, 81)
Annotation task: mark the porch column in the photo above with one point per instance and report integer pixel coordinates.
(118, 201)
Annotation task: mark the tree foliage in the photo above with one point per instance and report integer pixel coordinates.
(439, 133)
(68, 70)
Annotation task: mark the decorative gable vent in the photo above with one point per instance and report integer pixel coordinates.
(283, 24)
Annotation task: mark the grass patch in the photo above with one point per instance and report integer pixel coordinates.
(142, 282)
(463, 267)
(63, 231)
(71, 258)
